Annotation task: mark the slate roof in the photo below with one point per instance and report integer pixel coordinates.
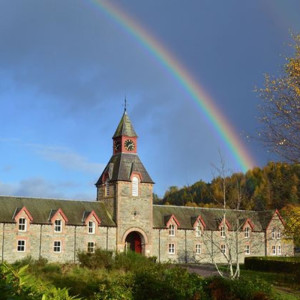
(125, 127)
(40, 209)
(122, 165)
(212, 217)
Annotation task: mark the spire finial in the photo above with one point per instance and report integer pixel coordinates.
(125, 104)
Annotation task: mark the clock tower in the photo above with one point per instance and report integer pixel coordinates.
(126, 188)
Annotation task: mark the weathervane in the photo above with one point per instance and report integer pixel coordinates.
(125, 104)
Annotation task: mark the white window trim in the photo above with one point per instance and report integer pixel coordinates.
(172, 230)
(198, 230)
(93, 247)
(247, 232)
(222, 232)
(278, 235)
(198, 249)
(223, 249)
(93, 227)
(273, 234)
(21, 246)
(279, 250)
(171, 249)
(274, 250)
(247, 250)
(56, 226)
(135, 186)
(60, 246)
(25, 225)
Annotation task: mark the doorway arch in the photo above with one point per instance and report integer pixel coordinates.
(135, 240)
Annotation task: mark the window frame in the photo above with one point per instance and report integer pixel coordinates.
(21, 246)
(25, 224)
(273, 233)
(247, 232)
(222, 232)
(91, 228)
(273, 250)
(172, 230)
(107, 188)
(223, 248)
(56, 226)
(247, 250)
(91, 246)
(56, 246)
(279, 250)
(198, 249)
(171, 248)
(198, 230)
(135, 186)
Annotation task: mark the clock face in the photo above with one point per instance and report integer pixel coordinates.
(129, 145)
(117, 145)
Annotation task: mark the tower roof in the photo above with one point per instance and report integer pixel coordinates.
(125, 127)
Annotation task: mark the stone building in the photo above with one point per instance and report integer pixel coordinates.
(123, 217)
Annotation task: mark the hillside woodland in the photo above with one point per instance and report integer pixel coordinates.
(274, 186)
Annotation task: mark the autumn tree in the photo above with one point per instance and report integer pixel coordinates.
(280, 109)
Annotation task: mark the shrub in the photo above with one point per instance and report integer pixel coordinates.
(285, 265)
(99, 259)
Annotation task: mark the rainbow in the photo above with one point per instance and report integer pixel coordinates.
(222, 126)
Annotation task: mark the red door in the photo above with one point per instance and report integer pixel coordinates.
(134, 242)
(137, 244)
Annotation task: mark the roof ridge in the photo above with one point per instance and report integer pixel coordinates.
(215, 208)
(42, 198)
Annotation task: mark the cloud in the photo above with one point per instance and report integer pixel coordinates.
(39, 187)
(66, 158)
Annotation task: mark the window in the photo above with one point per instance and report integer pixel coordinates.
(171, 248)
(172, 230)
(91, 247)
(278, 235)
(279, 250)
(222, 230)
(273, 233)
(57, 226)
(91, 227)
(198, 249)
(198, 230)
(22, 224)
(57, 246)
(21, 246)
(247, 249)
(274, 250)
(223, 249)
(135, 186)
(247, 232)
(107, 187)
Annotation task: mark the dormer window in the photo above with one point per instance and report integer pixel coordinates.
(247, 232)
(198, 230)
(222, 231)
(91, 227)
(22, 224)
(135, 186)
(57, 226)
(273, 233)
(172, 230)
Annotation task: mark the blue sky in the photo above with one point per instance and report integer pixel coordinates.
(65, 68)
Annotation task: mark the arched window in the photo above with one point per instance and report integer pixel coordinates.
(135, 186)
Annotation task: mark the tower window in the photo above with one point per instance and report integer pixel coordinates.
(135, 186)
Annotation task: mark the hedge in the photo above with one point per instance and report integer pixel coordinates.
(276, 264)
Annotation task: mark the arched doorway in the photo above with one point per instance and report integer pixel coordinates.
(134, 242)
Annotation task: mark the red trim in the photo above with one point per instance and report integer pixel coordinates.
(248, 221)
(27, 213)
(172, 218)
(280, 218)
(199, 218)
(227, 224)
(136, 174)
(59, 211)
(92, 213)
